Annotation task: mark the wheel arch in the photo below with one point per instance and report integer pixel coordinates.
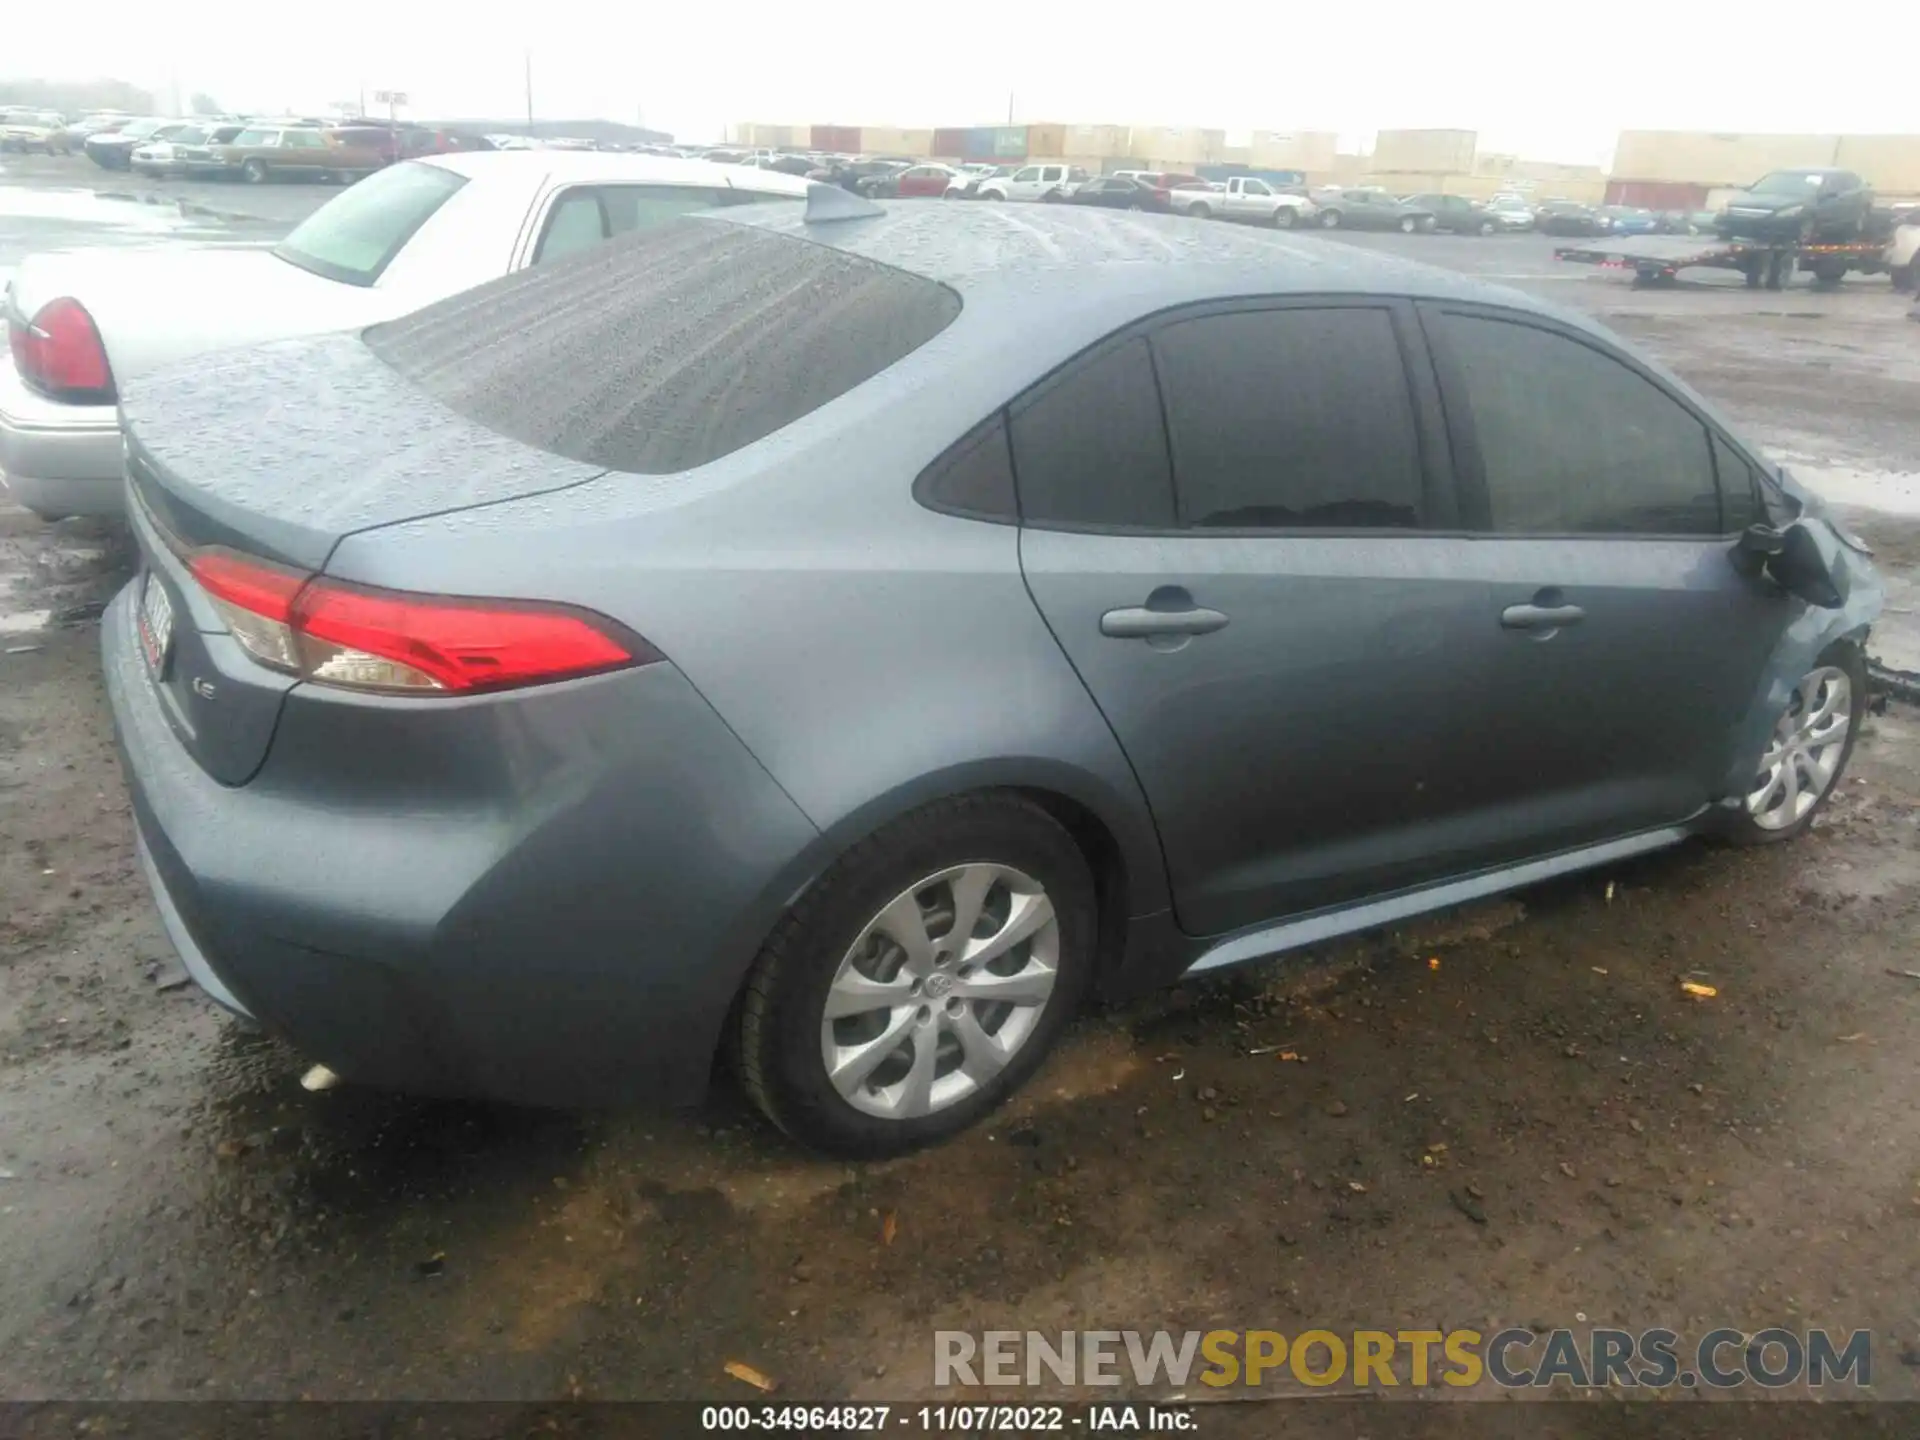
(1113, 833)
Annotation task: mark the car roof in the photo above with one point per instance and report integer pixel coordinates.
(565, 166)
(1074, 256)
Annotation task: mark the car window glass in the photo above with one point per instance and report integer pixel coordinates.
(662, 350)
(1574, 442)
(1028, 174)
(634, 207)
(1290, 418)
(1256, 187)
(305, 139)
(575, 223)
(1740, 494)
(974, 478)
(355, 235)
(1090, 449)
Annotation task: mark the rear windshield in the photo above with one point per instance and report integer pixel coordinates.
(665, 349)
(354, 236)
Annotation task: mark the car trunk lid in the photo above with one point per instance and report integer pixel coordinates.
(354, 446)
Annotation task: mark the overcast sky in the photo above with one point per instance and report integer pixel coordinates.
(1544, 85)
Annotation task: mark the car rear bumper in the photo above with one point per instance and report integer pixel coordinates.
(549, 899)
(58, 459)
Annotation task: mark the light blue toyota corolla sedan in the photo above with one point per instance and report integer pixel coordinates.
(848, 638)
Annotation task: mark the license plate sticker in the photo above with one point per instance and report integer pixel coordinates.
(156, 623)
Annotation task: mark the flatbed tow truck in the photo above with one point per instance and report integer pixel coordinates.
(1658, 260)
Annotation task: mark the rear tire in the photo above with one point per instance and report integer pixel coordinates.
(1764, 816)
(1200, 212)
(1329, 219)
(254, 172)
(900, 880)
(1409, 224)
(1486, 227)
(1906, 277)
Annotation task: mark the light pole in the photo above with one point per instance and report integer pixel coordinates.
(529, 65)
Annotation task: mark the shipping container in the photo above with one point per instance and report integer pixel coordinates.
(1010, 142)
(1310, 150)
(1889, 163)
(1046, 142)
(1170, 147)
(1657, 194)
(890, 140)
(1699, 158)
(950, 143)
(1106, 141)
(840, 139)
(1425, 152)
(979, 143)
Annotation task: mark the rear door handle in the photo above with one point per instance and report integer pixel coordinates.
(1541, 617)
(1139, 623)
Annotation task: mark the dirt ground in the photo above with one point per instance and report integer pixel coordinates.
(1509, 1117)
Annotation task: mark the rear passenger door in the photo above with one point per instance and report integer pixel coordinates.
(1630, 647)
(1261, 594)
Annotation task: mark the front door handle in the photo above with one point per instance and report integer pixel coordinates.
(1541, 617)
(1139, 623)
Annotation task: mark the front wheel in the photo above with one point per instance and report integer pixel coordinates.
(921, 980)
(1486, 227)
(1283, 218)
(1409, 224)
(1329, 219)
(254, 172)
(1808, 751)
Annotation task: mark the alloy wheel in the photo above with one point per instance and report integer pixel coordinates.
(1804, 753)
(940, 991)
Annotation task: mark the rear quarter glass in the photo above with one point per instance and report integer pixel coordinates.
(666, 349)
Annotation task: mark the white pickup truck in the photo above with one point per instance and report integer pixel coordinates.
(1244, 197)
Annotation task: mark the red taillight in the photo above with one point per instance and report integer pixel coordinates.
(390, 640)
(59, 353)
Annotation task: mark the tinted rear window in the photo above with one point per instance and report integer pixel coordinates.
(665, 349)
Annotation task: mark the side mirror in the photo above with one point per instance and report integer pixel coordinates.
(1791, 558)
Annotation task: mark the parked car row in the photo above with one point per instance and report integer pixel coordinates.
(246, 148)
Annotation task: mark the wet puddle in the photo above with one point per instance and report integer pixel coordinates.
(34, 219)
(1891, 492)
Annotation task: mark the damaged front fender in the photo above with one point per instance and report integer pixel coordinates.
(1809, 634)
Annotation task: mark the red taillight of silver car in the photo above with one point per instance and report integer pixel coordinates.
(361, 638)
(58, 353)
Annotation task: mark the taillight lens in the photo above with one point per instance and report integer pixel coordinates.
(58, 352)
(389, 640)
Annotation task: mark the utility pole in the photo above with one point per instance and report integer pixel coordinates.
(529, 60)
(1009, 107)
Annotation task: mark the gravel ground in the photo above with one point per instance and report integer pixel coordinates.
(1540, 1129)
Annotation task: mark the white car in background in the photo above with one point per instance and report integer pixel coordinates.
(83, 323)
(1034, 182)
(1903, 251)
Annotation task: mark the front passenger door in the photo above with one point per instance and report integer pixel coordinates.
(1628, 646)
